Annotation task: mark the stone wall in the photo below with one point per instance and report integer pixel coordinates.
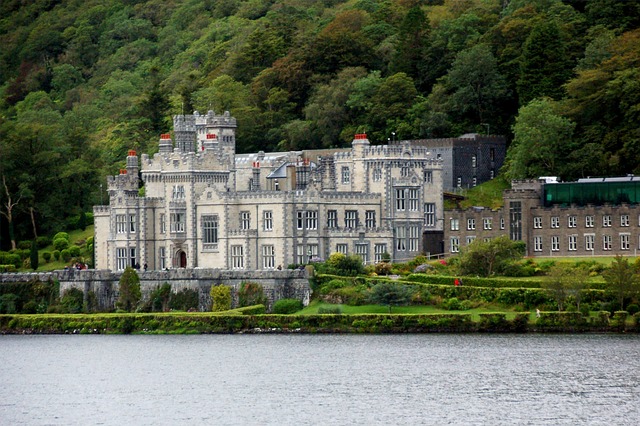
(277, 285)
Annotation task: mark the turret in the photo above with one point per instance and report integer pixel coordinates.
(184, 129)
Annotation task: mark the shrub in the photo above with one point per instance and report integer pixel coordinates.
(160, 298)
(65, 255)
(8, 303)
(10, 259)
(63, 235)
(61, 244)
(43, 242)
(46, 256)
(250, 294)
(185, 300)
(633, 309)
(287, 306)
(72, 300)
(129, 293)
(383, 268)
(24, 245)
(56, 254)
(220, 298)
(74, 251)
(332, 285)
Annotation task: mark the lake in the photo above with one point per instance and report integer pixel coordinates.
(414, 379)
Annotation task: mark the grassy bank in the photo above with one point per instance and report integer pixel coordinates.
(202, 323)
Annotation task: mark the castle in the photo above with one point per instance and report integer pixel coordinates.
(198, 204)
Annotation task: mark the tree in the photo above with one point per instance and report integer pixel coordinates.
(34, 255)
(563, 281)
(391, 294)
(622, 280)
(220, 298)
(542, 141)
(251, 294)
(486, 258)
(129, 290)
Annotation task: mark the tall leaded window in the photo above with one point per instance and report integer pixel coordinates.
(362, 250)
(332, 219)
(414, 238)
(370, 219)
(573, 242)
(428, 176)
(121, 259)
(454, 244)
(132, 223)
(132, 256)
(589, 242)
(625, 240)
(455, 224)
(163, 223)
(342, 248)
(178, 221)
(300, 219)
(162, 257)
(121, 223)
(300, 254)
(400, 199)
(178, 192)
(589, 221)
(312, 219)
(555, 243)
(351, 219)
(267, 220)
(346, 174)
(401, 238)
(237, 257)
(515, 222)
(414, 200)
(606, 242)
(430, 215)
(379, 250)
(210, 232)
(537, 243)
(377, 174)
(268, 257)
(245, 220)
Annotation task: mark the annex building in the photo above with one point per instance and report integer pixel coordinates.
(590, 217)
(198, 204)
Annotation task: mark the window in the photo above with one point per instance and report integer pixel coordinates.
(455, 224)
(313, 250)
(428, 176)
(379, 250)
(163, 223)
(589, 242)
(268, 257)
(474, 181)
(177, 220)
(401, 238)
(351, 219)
(332, 219)
(404, 171)
(300, 219)
(413, 200)
(515, 217)
(470, 239)
(245, 220)
(400, 200)
(312, 219)
(162, 255)
(492, 154)
(624, 220)
(132, 223)
(459, 182)
(414, 238)
(487, 223)
(471, 224)
(121, 224)
(572, 221)
(121, 259)
(492, 174)
(555, 222)
(362, 250)
(267, 220)
(341, 248)
(300, 255)
(606, 220)
(430, 215)
(346, 175)
(573, 242)
(178, 192)
(132, 256)
(474, 161)
(502, 223)
(625, 240)
(370, 219)
(537, 243)
(210, 232)
(237, 257)
(555, 243)
(454, 244)
(589, 221)
(606, 242)
(537, 222)
(377, 174)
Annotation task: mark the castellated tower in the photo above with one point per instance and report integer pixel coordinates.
(222, 129)
(184, 129)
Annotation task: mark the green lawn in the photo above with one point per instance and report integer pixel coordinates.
(76, 237)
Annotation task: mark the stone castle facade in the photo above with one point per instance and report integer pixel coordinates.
(204, 206)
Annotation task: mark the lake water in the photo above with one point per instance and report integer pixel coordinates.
(320, 380)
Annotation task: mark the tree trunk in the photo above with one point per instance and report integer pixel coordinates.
(33, 223)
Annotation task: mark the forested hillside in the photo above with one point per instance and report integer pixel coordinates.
(83, 81)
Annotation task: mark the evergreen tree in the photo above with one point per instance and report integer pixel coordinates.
(34, 255)
(129, 290)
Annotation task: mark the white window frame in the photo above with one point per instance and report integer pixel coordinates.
(537, 243)
(346, 174)
(625, 241)
(379, 250)
(572, 221)
(589, 221)
(454, 244)
(311, 219)
(555, 222)
(455, 224)
(401, 238)
(430, 215)
(163, 223)
(555, 243)
(121, 258)
(342, 248)
(370, 218)
(237, 257)
(487, 223)
(624, 220)
(332, 218)
(414, 238)
(400, 199)
(245, 220)
(414, 200)
(210, 227)
(589, 242)
(351, 219)
(121, 223)
(471, 224)
(267, 220)
(268, 257)
(362, 250)
(607, 243)
(537, 222)
(573, 242)
(606, 220)
(178, 222)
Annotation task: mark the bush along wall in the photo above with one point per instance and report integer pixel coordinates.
(245, 322)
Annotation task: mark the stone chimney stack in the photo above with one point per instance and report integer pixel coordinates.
(166, 145)
(255, 182)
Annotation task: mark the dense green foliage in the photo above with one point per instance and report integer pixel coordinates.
(287, 306)
(83, 81)
(129, 293)
(251, 294)
(486, 258)
(220, 298)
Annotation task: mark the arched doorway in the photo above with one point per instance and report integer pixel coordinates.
(182, 259)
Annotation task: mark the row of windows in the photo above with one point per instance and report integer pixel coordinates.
(407, 199)
(125, 223)
(487, 224)
(589, 242)
(589, 221)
